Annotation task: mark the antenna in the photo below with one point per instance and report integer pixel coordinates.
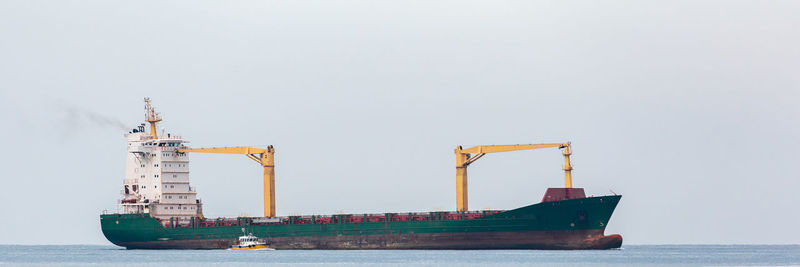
(151, 116)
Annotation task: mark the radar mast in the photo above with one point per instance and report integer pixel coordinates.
(151, 116)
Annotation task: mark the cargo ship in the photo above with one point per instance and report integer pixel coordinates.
(159, 209)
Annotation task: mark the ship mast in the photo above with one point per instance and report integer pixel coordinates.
(151, 116)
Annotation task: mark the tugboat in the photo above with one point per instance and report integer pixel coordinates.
(250, 242)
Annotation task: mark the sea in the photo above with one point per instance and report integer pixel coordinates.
(628, 255)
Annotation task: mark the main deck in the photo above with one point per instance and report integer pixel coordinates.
(327, 219)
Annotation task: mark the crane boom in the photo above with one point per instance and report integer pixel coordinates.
(264, 157)
(464, 158)
(505, 148)
(228, 150)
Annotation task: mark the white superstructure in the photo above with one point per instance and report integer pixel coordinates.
(157, 177)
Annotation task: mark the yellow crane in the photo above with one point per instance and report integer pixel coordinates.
(464, 158)
(265, 157)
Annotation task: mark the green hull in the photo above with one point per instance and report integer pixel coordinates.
(566, 224)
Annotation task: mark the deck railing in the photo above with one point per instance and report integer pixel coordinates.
(329, 219)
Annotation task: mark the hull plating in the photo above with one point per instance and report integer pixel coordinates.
(566, 224)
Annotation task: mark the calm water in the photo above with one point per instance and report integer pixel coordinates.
(628, 255)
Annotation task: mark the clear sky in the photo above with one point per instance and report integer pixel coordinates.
(686, 108)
